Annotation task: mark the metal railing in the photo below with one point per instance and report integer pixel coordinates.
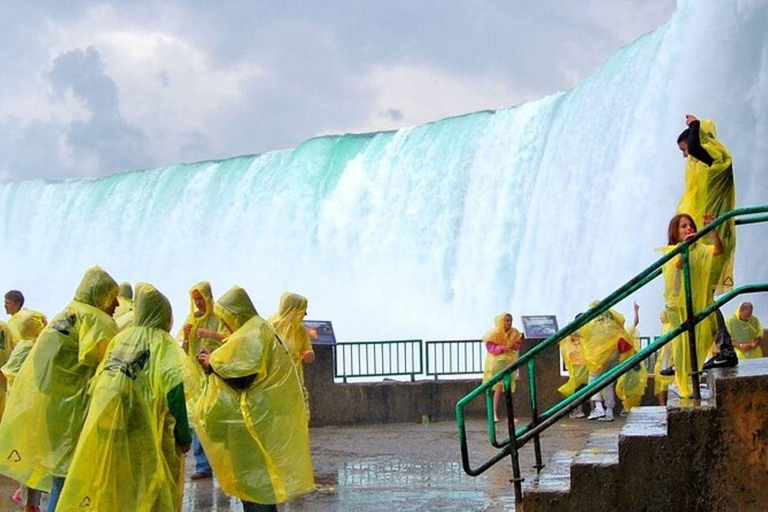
(366, 359)
(454, 357)
(518, 437)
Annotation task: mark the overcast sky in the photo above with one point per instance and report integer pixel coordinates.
(89, 87)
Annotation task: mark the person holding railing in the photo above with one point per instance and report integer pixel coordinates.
(502, 344)
(701, 257)
(746, 331)
(710, 192)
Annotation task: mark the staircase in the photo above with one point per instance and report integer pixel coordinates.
(690, 455)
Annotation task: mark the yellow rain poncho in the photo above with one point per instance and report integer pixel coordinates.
(129, 454)
(664, 359)
(7, 340)
(573, 356)
(502, 349)
(29, 325)
(288, 322)
(48, 402)
(600, 339)
(124, 300)
(24, 316)
(709, 190)
(745, 332)
(630, 387)
(701, 258)
(252, 419)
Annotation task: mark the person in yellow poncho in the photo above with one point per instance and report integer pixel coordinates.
(288, 322)
(602, 342)
(664, 360)
(681, 228)
(578, 376)
(746, 331)
(630, 387)
(49, 400)
(709, 193)
(252, 418)
(124, 311)
(29, 325)
(7, 341)
(200, 330)
(130, 453)
(502, 345)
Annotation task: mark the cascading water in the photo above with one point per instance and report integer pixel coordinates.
(431, 230)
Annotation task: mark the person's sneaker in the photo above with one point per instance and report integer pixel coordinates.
(624, 413)
(608, 416)
(200, 475)
(576, 414)
(597, 412)
(722, 361)
(667, 372)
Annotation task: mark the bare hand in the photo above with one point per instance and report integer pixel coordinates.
(308, 357)
(707, 219)
(206, 333)
(689, 118)
(636, 307)
(187, 329)
(204, 359)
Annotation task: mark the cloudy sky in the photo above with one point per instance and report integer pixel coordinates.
(95, 87)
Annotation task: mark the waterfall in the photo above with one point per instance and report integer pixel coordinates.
(429, 231)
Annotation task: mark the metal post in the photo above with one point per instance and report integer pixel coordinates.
(534, 413)
(689, 314)
(517, 479)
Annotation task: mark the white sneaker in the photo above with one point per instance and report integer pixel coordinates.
(576, 414)
(597, 412)
(608, 416)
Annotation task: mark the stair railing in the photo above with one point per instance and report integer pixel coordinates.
(518, 437)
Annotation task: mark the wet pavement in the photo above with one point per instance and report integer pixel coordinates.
(404, 467)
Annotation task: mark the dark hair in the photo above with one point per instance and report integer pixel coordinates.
(16, 297)
(683, 136)
(674, 226)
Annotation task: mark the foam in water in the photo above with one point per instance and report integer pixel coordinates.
(431, 230)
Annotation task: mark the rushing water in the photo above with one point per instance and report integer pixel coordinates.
(431, 230)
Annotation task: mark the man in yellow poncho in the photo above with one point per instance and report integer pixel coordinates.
(502, 345)
(124, 311)
(29, 325)
(289, 324)
(710, 192)
(130, 453)
(602, 340)
(48, 402)
(746, 331)
(252, 418)
(200, 330)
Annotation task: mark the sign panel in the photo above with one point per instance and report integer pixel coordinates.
(320, 332)
(539, 326)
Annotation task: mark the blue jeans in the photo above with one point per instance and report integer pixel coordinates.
(256, 507)
(53, 498)
(201, 461)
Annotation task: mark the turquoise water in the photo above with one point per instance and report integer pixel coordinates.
(431, 230)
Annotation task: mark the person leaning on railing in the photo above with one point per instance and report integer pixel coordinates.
(503, 344)
(746, 331)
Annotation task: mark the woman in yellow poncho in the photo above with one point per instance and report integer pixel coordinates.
(502, 344)
(630, 387)
(252, 418)
(682, 227)
(124, 312)
(664, 359)
(578, 376)
(288, 322)
(48, 402)
(28, 326)
(130, 453)
(200, 330)
(746, 331)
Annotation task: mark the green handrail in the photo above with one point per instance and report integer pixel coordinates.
(540, 422)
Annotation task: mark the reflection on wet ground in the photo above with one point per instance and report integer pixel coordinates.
(405, 467)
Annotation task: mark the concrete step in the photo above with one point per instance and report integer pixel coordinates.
(595, 472)
(550, 489)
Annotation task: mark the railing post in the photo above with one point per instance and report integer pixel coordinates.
(689, 314)
(517, 479)
(534, 413)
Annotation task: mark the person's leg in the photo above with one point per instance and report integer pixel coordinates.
(202, 466)
(257, 507)
(496, 400)
(597, 404)
(610, 402)
(53, 498)
(726, 356)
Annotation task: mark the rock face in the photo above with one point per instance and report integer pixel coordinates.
(708, 455)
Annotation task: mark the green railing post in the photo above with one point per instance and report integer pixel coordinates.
(539, 465)
(689, 314)
(517, 479)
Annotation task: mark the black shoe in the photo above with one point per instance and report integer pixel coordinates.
(722, 361)
(668, 372)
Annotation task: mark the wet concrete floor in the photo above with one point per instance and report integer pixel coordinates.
(403, 467)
